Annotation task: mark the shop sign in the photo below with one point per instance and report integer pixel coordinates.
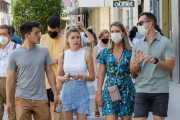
(123, 0)
(123, 4)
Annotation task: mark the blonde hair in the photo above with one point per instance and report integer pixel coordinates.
(125, 40)
(69, 26)
(68, 32)
(102, 32)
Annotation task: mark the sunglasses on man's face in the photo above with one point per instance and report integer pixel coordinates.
(140, 23)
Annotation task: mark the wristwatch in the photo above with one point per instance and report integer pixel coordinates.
(157, 60)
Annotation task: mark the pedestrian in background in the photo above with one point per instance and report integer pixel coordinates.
(155, 55)
(94, 35)
(16, 38)
(6, 47)
(54, 42)
(132, 38)
(83, 31)
(138, 35)
(132, 41)
(89, 47)
(72, 69)
(115, 62)
(30, 62)
(104, 40)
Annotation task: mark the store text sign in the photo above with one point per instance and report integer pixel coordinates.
(123, 4)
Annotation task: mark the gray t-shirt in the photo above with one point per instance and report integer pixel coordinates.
(30, 67)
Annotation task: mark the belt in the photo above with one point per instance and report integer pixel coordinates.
(2, 77)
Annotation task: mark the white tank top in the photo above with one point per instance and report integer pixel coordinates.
(74, 62)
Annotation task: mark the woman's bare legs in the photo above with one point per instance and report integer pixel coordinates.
(68, 115)
(81, 116)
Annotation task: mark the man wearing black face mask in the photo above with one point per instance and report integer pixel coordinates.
(54, 41)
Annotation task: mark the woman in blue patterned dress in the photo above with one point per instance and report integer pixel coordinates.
(108, 59)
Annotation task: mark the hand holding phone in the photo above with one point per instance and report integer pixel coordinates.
(80, 25)
(66, 78)
(71, 74)
(75, 76)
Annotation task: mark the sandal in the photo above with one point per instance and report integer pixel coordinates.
(97, 114)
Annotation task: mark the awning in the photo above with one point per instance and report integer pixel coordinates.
(66, 19)
(80, 11)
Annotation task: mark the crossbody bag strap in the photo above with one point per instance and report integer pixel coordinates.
(119, 66)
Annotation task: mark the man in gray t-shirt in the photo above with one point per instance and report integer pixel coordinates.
(30, 61)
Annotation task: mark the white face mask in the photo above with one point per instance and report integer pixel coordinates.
(142, 30)
(116, 37)
(3, 40)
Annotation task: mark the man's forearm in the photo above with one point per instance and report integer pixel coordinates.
(166, 65)
(134, 67)
(52, 82)
(89, 35)
(9, 88)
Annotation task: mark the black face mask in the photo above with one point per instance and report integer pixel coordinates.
(53, 34)
(105, 40)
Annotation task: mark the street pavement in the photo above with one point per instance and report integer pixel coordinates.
(173, 110)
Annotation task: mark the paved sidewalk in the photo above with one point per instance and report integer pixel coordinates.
(173, 111)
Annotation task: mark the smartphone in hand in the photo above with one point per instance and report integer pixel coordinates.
(71, 74)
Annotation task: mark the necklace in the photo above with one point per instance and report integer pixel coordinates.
(74, 54)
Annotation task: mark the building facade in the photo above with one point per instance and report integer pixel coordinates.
(94, 13)
(101, 13)
(5, 15)
(175, 37)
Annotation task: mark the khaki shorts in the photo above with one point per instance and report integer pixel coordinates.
(38, 108)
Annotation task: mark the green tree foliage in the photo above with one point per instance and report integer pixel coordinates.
(36, 10)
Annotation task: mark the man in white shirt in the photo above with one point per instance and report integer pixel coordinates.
(6, 47)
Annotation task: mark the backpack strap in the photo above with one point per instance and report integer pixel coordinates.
(14, 47)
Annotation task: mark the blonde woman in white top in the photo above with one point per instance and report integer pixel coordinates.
(72, 69)
(103, 42)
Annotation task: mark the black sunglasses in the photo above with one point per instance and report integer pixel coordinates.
(141, 22)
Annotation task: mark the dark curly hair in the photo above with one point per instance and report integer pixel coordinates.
(53, 22)
(132, 34)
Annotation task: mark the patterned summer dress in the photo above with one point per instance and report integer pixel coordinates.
(125, 107)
